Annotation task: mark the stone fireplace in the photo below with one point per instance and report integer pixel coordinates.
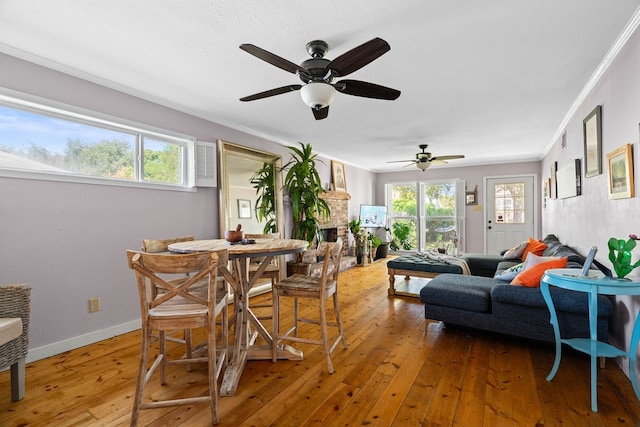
(337, 224)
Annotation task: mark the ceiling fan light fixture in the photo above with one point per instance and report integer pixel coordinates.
(423, 165)
(317, 94)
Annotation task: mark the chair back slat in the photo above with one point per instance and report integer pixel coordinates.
(162, 245)
(330, 265)
(153, 267)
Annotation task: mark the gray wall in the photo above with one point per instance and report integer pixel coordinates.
(472, 175)
(68, 240)
(591, 219)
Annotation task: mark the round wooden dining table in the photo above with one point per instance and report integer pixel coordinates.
(244, 347)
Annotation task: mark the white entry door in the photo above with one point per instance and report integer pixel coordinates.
(510, 212)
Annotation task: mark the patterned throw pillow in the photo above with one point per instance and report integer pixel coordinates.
(516, 251)
(510, 273)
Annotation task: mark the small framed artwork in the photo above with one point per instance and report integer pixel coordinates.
(244, 208)
(471, 197)
(339, 178)
(620, 168)
(592, 129)
(547, 188)
(553, 191)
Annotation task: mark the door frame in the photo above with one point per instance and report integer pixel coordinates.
(536, 191)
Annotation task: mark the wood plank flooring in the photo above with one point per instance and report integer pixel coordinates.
(399, 370)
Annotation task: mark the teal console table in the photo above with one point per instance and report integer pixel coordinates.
(593, 285)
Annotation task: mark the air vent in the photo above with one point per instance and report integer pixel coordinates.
(206, 168)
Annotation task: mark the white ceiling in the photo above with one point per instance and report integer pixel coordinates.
(491, 79)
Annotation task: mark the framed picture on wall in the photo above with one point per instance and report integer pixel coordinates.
(553, 190)
(592, 129)
(339, 178)
(620, 168)
(244, 208)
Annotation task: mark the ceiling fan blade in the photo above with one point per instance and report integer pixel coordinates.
(456, 156)
(401, 161)
(273, 59)
(271, 92)
(437, 162)
(358, 57)
(366, 90)
(320, 113)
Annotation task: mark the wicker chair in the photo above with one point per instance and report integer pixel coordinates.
(14, 305)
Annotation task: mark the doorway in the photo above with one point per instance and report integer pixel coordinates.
(510, 214)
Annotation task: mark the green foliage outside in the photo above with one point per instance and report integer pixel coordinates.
(107, 158)
(439, 209)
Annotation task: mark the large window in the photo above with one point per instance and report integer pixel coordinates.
(402, 200)
(438, 222)
(44, 139)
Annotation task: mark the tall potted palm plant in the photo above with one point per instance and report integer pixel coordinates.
(304, 186)
(264, 181)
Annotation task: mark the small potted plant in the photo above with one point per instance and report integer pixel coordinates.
(400, 232)
(620, 255)
(375, 242)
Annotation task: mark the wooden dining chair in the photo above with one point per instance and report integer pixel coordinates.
(272, 271)
(178, 307)
(155, 246)
(319, 288)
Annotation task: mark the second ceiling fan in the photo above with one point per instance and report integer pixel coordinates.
(424, 159)
(318, 74)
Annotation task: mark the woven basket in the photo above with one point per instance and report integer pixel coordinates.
(15, 302)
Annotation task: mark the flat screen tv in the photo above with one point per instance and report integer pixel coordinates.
(373, 216)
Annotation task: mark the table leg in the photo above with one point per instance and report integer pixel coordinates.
(544, 288)
(633, 349)
(244, 347)
(593, 330)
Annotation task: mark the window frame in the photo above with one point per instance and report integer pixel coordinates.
(420, 218)
(58, 110)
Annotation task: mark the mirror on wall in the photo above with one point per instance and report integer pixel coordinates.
(237, 194)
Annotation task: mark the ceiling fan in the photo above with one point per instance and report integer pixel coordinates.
(318, 74)
(424, 159)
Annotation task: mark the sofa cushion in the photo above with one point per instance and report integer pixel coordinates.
(516, 251)
(531, 276)
(10, 329)
(459, 291)
(422, 263)
(510, 273)
(534, 247)
(482, 264)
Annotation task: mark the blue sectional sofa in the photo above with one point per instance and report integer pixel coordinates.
(491, 304)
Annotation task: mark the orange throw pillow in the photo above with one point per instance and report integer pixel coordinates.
(531, 276)
(535, 247)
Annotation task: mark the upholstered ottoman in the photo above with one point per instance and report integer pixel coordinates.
(416, 266)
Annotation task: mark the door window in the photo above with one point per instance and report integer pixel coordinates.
(509, 203)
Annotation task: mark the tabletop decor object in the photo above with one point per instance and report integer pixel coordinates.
(233, 236)
(620, 255)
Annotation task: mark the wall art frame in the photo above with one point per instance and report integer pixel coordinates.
(244, 208)
(471, 197)
(592, 131)
(339, 177)
(620, 169)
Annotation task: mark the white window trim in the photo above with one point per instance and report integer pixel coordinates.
(15, 99)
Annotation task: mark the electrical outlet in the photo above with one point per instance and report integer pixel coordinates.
(94, 305)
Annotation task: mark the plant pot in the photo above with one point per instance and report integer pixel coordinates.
(383, 250)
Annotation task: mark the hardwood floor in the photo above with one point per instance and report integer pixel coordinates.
(400, 370)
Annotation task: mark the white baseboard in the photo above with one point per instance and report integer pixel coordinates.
(80, 341)
(103, 334)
